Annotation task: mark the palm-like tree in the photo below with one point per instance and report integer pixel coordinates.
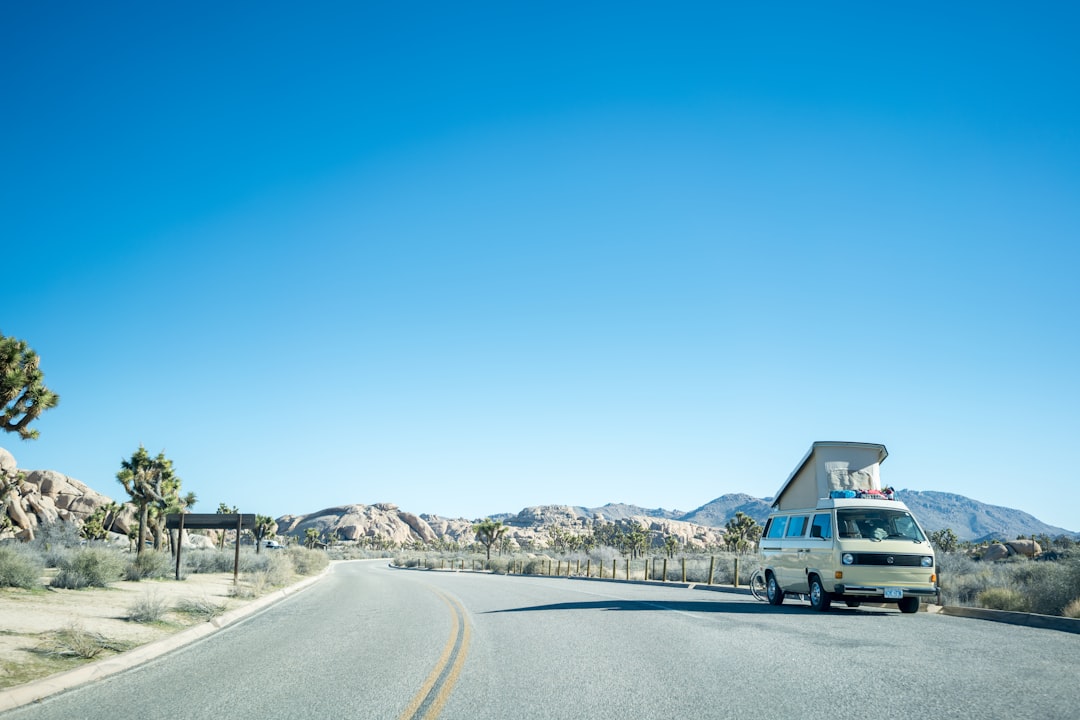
(488, 532)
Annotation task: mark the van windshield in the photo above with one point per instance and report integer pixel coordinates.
(878, 524)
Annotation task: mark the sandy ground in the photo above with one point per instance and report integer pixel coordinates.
(27, 617)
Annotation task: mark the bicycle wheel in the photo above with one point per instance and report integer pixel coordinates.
(757, 586)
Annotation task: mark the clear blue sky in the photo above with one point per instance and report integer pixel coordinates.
(468, 258)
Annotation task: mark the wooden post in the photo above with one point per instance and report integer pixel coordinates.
(612, 568)
(684, 568)
(664, 578)
(627, 568)
(588, 567)
(712, 566)
(601, 566)
(647, 568)
(578, 571)
(179, 544)
(735, 580)
(236, 558)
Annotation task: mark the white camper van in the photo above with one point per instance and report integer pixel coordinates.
(834, 534)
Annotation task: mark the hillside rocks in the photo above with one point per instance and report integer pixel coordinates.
(384, 523)
(1001, 551)
(46, 496)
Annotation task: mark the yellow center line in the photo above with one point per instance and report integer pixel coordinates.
(455, 670)
(440, 699)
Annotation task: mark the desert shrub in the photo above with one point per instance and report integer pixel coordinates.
(207, 561)
(1072, 610)
(1003, 599)
(75, 642)
(499, 565)
(89, 567)
(1050, 586)
(537, 565)
(147, 609)
(150, 564)
(58, 534)
(20, 566)
(199, 608)
(304, 561)
(251, 562)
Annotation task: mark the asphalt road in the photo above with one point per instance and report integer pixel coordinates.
(372, 642)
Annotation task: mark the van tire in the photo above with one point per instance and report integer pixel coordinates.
(853, 603)
(820, 599)
(773, 591)
(908, 605)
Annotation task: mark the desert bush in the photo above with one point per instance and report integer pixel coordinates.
(1049, 586)
(206, 561)
(89, 567)
(499, 565)
(199, 608)
(58, 534)
(1072, 610)
(147, 609)
(20, 566)
(150, 564)
(75, 642)
(1003, 599)
(304, 561)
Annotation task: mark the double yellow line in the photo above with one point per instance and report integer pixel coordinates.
(433, 694)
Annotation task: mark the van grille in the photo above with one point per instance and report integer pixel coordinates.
(888, 559)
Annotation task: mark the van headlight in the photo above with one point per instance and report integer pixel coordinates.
(847, 559)
(927, 561)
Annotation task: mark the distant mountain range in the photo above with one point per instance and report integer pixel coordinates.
(969, 519)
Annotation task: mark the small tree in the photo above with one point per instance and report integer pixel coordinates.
(223, 509)
(741, 533)
(945, 540)
(149, 481)
(23, 395)
(264, 527)
(488, 532)
(311, 537)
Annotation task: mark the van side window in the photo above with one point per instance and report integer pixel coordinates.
(822, 526)
(796, 526)
(776, 527)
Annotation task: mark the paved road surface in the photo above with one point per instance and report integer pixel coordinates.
(372, 642)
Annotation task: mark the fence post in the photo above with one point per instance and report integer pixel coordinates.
(588, 567)
(601, 566)
(578, 571)
(735, 580)
(558, 568)
(712, 566)
(613, 577)
(684, 568)
(664, 578)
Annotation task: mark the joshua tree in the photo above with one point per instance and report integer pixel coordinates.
(223, 509)
(264, 526)
(488, 532)
(148, 481)
(23, 394)
(23, 397)
(311, 537)
(741, 533)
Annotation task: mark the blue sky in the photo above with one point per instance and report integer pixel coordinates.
(473, 257)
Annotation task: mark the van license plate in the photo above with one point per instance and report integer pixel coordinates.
(893, 593)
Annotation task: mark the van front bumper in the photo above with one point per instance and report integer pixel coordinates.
(864, 591)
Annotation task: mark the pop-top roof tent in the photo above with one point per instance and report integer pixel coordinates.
(831, 466)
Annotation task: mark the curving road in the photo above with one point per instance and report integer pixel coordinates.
(372, 642)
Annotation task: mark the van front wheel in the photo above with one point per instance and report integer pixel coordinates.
(908, 605)
(820, 599)
(773, 591)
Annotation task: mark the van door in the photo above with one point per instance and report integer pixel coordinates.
(819, 544)
(793, 574)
